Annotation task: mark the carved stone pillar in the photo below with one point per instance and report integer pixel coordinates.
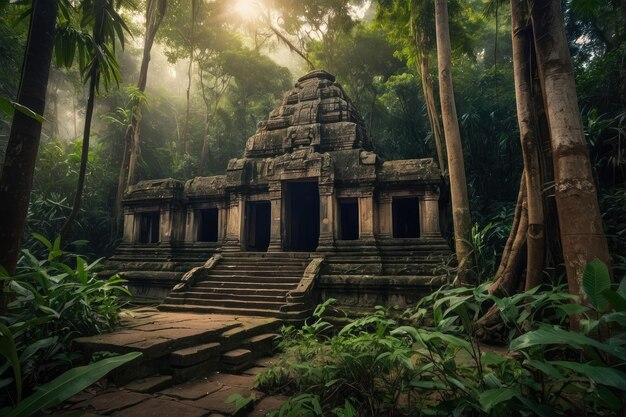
(222, 217)
(429, 209)
(366, 216)
(166, 225)
(191, 225)
(385, 221)
(129, 235)
(276, 229)
(327, 217)
(234, 222)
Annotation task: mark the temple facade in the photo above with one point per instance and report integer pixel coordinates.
(309, 184)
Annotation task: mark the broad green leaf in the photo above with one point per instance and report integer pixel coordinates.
(68, 384)
(9, 351)
(547, 335)
(599, 374)
(539, 409)
(596, 280)
(617, 317)
(6, 106)
(621, 290)
(427, 336)
(573, 308)
(492, 397)
(544, 367)
(617, 301)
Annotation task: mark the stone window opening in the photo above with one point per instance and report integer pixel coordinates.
(208, 225)
(406, 215)
(149, 227)
(349, 219)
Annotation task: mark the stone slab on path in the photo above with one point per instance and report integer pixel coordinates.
(156, 333)
(203, 397)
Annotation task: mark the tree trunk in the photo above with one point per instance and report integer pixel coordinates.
(93, 80)
(521, 33)
(458, 185)
(18, 169)
(16, 180)
(431, 109)
(194, 7)
(580, 224)
(155, 12)
(507, 278)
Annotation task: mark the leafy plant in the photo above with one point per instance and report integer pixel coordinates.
(381, 365)
(52, 303)
(64, 386)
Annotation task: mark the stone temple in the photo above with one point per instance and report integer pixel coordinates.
(309, 212)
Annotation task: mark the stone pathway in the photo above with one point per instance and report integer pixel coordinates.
(184, 345)
(191, 364)
(203, 397)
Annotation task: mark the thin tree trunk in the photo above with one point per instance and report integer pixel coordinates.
(207, 121)
(155, 12)
(194, 7)
(431, 109)
(291, 46)
(458, 185)
(580, 224)
(93, 80)
(522, 67)
(506, 252)
(508, 277)
(16, 180)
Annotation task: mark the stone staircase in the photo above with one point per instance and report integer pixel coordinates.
(246, 283)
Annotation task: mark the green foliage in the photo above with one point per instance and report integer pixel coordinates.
(428, 361)
(53, 302)
(64, 386)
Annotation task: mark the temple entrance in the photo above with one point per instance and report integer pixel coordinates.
(349, 219)
(405, 214)
(302, 209)
(207, 225)
(258, 220)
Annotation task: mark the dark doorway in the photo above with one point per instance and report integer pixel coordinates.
(258, 218)
(149, 227)
(406, 223)
(349, 218)
(207, 225)
(303, 216)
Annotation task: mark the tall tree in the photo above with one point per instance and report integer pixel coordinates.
(582, 235)
(458, 184)
(16, 180)
(107, 27)
(155, 12)
(195, 10)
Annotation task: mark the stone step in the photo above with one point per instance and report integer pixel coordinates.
(250, 278)
(205, 288)
(236, 360)
(263, 305)
(267, 255)
(296, 273)
(222, 310)
(257, 268)
(246, 284)
(261, 345)
(194, 355)
(192, 293)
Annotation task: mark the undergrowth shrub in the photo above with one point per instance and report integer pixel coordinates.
(53, 301)
(428, 361)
